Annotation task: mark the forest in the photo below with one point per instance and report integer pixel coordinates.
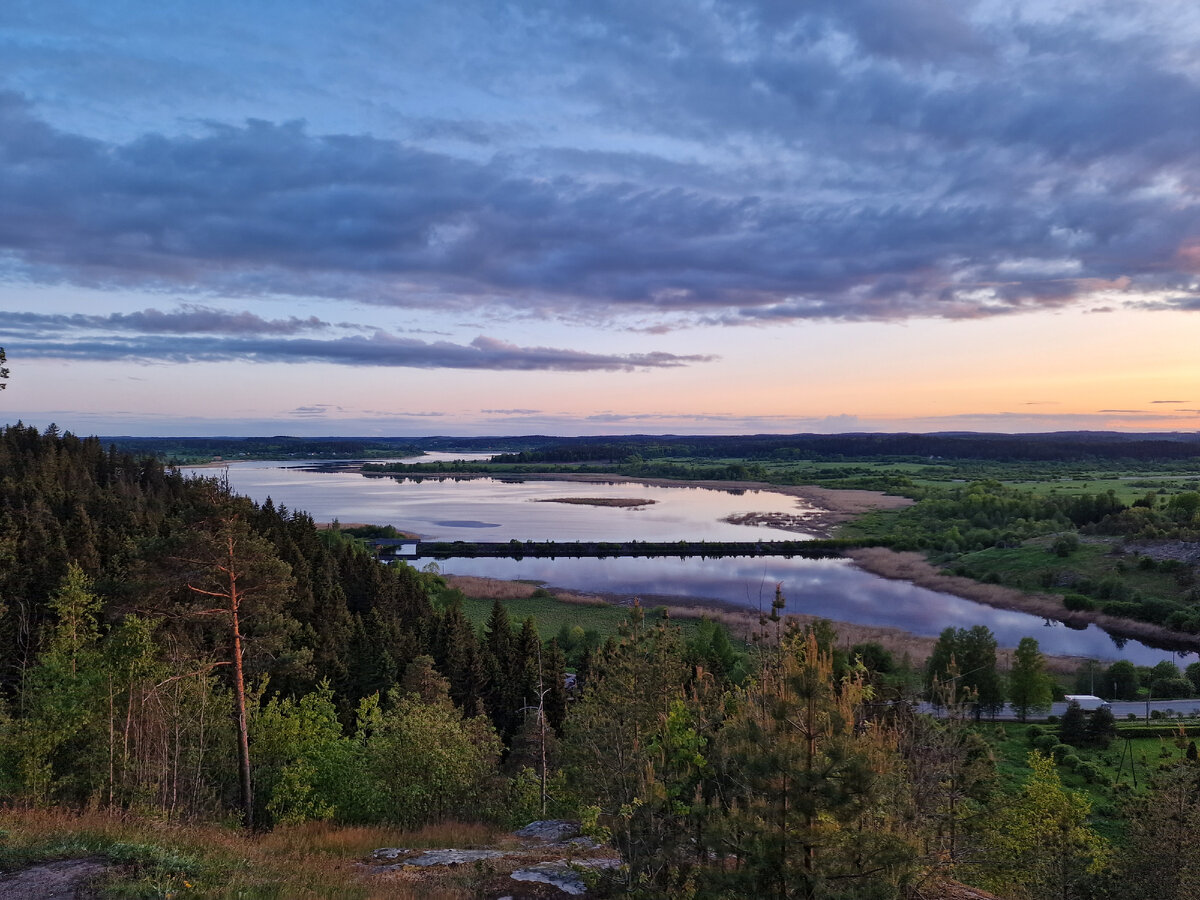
(177, 655)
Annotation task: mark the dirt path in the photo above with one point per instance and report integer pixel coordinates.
(67, 879)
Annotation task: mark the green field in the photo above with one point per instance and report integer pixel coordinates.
(551, 615)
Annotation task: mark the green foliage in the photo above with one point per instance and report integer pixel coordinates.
(1041, 844)
(1029, 685)
(1120, 681)
(304, 768)
(1072, 728)
(710, 648)
(631, 750)
(427, 762)
(966, 659)
(1078, 603)
(1161, 859)
(1064, 545)
(804, 810)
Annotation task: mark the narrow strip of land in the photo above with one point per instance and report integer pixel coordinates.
(815, 549)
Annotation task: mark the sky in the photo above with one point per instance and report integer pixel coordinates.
(618, 216)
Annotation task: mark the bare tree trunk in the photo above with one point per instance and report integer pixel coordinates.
(239, 697)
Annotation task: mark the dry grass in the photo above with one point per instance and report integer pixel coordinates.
(483, 588)
(209, 861)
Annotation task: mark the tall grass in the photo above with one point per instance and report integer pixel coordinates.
(207, 862)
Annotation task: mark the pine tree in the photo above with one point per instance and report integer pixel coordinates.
(803, 812)
(239, 581)
(1072, 727)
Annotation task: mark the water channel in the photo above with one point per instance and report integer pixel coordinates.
(492, 509)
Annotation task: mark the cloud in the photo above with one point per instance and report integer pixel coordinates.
(186, 320)
(1169, 401)
(747, 163)
(381, 349)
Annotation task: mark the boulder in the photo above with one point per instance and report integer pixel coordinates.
(552, 831)
(563, 875)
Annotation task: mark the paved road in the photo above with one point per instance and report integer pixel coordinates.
(1120, 708)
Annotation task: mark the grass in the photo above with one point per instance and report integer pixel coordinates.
(207, 862)
(1033, 567)
(550, 614)
(1011, 747)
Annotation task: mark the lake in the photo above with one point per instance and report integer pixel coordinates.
(492, 509)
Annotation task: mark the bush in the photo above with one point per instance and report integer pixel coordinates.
(1034, 731)
(1091, 773)
(1045, 743)
(427, 763)
(1070, 761)
(1078, 603)
(1060, 752)
(1173, 688)
(1064, 545)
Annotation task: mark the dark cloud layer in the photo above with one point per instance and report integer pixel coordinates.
(188, 320)
(762, 162)
(381, 349)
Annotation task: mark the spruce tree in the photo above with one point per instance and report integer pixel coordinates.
(1029, 685)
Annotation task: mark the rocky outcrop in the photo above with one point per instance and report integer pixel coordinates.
(566, 876)
(552, 831)
(551, 852)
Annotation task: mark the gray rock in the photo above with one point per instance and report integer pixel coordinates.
(563, 875)
(549, 830)
(389, 852)
(584, 843)
(451, 857)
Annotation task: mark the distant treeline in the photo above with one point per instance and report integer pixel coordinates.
(203, 449)
(1067, 447)
(1061, 446)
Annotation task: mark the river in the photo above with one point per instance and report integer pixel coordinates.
(492, 509)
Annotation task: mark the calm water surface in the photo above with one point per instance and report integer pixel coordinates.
(489, 509)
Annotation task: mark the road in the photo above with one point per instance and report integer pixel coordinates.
(1120, 709)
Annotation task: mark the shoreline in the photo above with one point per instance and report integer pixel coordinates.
(831, 507)
(834, 507)
(913, 567)
(740, 620)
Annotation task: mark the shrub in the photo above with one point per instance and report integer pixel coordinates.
(427, 762)
(1091, 773)
(1034, 731)
(1078, 603)
(1045, 743)
(1070, 761)
(1061, 752)
(1064, 545)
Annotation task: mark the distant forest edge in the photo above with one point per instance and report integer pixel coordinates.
(1067, 447)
